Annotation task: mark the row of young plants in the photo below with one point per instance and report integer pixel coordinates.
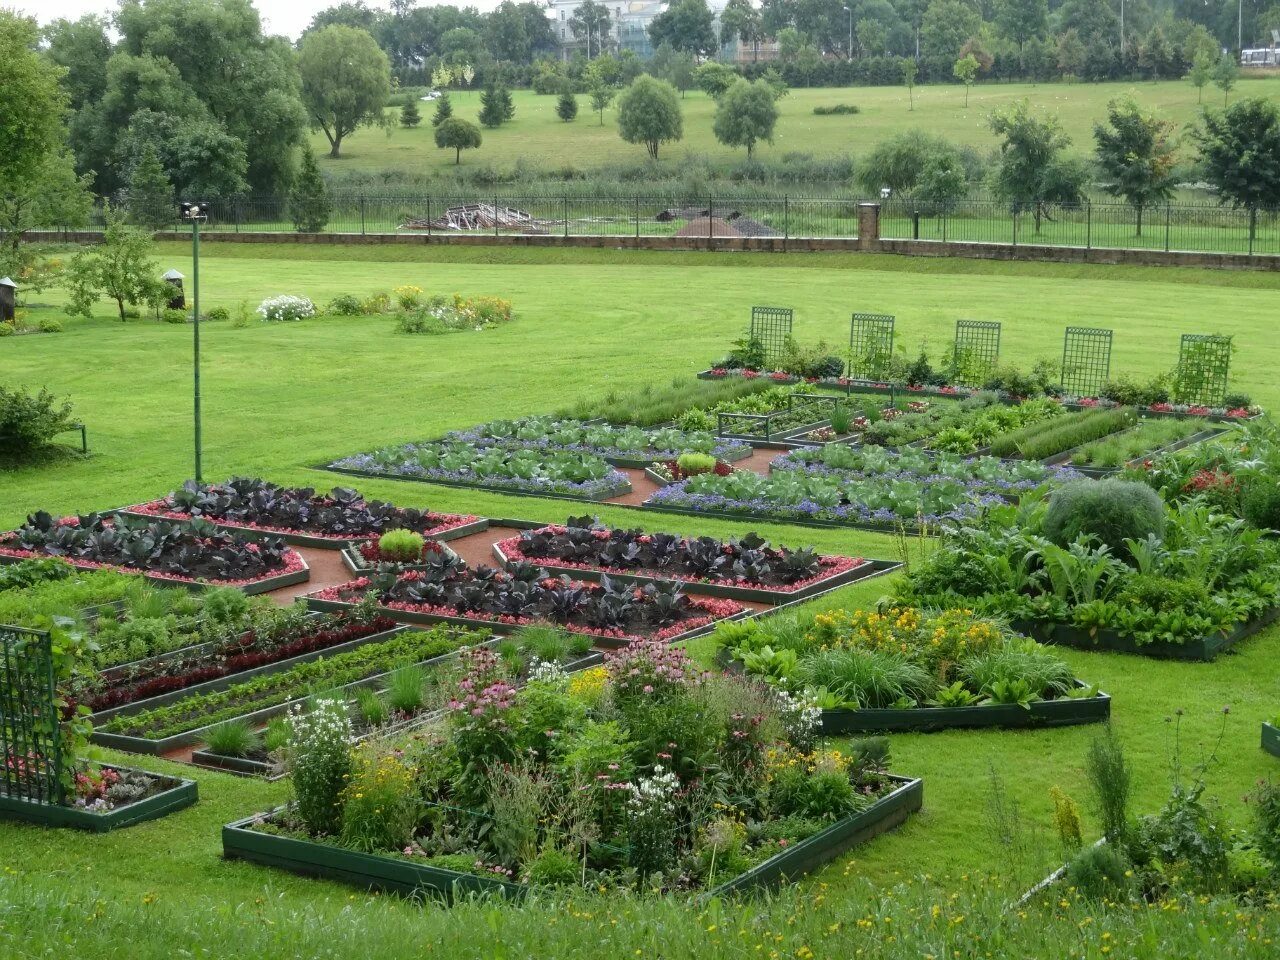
(182, 552)
(519, 470)
(340, 515)
(644, 774)
(869, 486)
(1175, 391)
(962, 427)
(651, 404)
(1049, 439)
(1108, 563)
(626, 445)
(273, 636)
(613, 612)
(907, 668)
(272, 691)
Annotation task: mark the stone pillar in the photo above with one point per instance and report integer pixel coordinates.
(179, 299)
(8, 300)
(868, 226)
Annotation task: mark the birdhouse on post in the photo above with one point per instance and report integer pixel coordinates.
(8, 300)
(179, 299)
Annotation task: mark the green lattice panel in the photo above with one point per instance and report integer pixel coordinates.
(30, 751)
(771, 326)
(1086, 360)
(976, 352)
(1204, 363)
(870, 345)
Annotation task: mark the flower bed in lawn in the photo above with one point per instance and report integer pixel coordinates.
(106, 797)
(744, 569)
(666, 472)
(191, 553)
(905, 669)
(613, 613)
(301, 515)
(185, 720)
(262, 645)
(1186, 584)
(534, 472)
(624, 446)
(645, 816)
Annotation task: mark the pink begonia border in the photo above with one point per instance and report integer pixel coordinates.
(158, 508)
(833, 565)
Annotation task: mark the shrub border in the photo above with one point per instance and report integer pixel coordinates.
(375, 872)
(186, 793)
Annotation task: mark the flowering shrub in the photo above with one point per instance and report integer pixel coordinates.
(379, 803)
(449, 314)
(409, 297)
(286, 307)
(651, 823)
(319, 762)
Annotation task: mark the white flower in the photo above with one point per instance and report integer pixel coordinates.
(286, 308)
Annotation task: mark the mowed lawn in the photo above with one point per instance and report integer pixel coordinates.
(538, 136)
(279, 399)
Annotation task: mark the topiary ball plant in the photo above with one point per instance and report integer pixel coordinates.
(401, 545)
(1110, 510)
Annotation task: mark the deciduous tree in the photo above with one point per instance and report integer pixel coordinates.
(1136, 155)
(746, 114)
(457, 134)
(1240, 154)
(346, 81)
(1033, 169)
(649, 113)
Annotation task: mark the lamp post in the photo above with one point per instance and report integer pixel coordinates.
(195, 212)
(849, 11)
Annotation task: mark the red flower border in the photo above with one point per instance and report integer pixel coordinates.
(158, 508)
(833, 565)
(713, 609)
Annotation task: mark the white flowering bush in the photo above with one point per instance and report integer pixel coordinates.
(275, 309)
(651, 824)
(319, 761)
(801, 716)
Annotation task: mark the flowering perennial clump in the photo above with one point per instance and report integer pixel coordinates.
(286, 307)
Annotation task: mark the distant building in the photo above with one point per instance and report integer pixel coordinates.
(629, 31)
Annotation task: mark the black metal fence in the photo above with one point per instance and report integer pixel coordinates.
(30, 733)
(1094, 224)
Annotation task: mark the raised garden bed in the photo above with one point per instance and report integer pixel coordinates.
(158, 549)
(245, 766)
(1271, 739)
(245, 840)
(1131, 450)
(226, 673)
(536, 600)
(186, 721)
(299, 515)
(556, 474)
(364, 558)
(658, 558)
(669, 471)
(1201, 648)
(171, 794)
(622, 446)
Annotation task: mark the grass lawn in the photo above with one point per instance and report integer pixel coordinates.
(279, 399)
(538, 136)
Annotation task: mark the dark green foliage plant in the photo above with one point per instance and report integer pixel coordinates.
(410, 117)
(309, 204)
(444, 110)
(1100, 872)
(30, 422)
(1111, 510)
(567, 106)
(1111, 781)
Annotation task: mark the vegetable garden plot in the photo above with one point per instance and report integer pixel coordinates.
(541, 473)
(621, 446)
(188, 719)
(611, 613)
(298, 514)
(193, 554)
(744, 569)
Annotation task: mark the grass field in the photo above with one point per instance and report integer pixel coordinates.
(281, 398)
(538, 136)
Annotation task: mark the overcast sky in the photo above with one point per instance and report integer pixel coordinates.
(289, 17)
